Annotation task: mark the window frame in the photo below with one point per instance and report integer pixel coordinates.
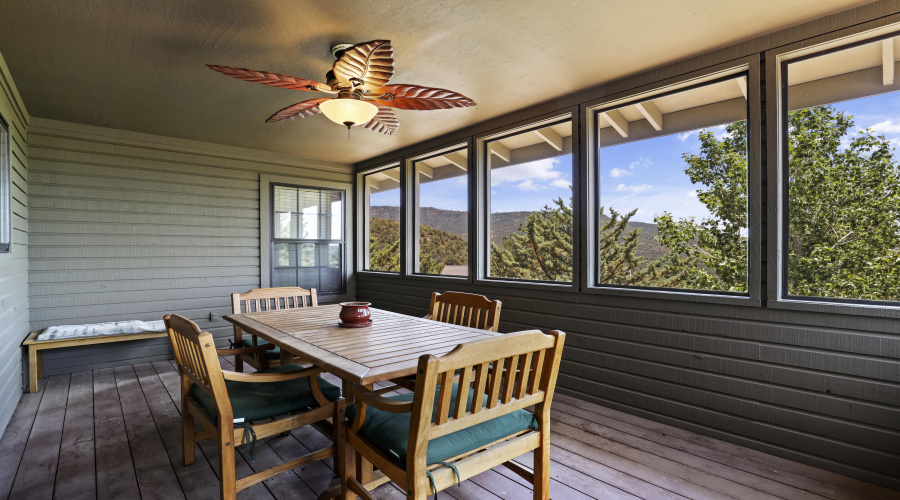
(267, 244)
(361, 250)
(751, 67)
(411, 237)
(482, 191)
(342, 241)
(5, 189)
(778, 164)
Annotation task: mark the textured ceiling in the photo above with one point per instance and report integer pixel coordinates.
(139, 66)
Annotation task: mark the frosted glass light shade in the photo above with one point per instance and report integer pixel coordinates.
(348, 112)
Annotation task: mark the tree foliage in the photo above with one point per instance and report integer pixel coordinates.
(843, 212)
(436, 248)
(710, 254)
(542, 249)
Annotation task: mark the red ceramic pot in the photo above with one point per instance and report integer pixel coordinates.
(355, 314)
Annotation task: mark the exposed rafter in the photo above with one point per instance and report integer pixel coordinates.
(458, 160)
(618, 122)
(887, 61)
(391, 173)
(425, 170)
(495, 148)
(742, 84)
(551, 137)
(651, 113)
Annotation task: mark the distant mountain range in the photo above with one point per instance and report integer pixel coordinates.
(504, 224)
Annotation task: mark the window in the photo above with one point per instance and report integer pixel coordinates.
(672, 175)
(529, 181)
(382, 216)
(841, 124)
(308, 238)
(5, 197)
(441, 214)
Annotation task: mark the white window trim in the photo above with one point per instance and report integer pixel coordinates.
(265, 233)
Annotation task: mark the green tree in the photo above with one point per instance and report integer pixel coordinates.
(542, 249)
(843, 208)
(710, 254)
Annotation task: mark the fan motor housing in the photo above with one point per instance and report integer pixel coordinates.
(338, 50)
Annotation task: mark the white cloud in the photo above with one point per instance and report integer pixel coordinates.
(886, 127)
(618, 172)
(561, 183)
(692, 194)
(528, 185)
(641, 162)
(540, 170)
(634, 189)
(686, 135)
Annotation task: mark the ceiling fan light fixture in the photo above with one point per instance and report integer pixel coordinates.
(348, 110)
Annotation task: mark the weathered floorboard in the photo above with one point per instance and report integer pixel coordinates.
(116, 433)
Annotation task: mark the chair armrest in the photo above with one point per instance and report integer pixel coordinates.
(367, 396)
(271, 377)
(245, 350)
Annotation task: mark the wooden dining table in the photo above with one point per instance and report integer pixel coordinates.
(388, 349)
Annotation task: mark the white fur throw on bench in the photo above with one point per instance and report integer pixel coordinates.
(100, 329)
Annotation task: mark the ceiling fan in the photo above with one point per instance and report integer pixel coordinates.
(359, 78)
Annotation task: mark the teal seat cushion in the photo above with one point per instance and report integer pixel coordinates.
(274, 354)
(390, 431)
(258, 400)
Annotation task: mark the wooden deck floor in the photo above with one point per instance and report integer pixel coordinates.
(115, 433)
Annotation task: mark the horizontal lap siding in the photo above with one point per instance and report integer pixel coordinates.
(14, 265)
(770, 379)
(132, 226)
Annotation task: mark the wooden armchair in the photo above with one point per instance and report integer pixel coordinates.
(466, 309)
(267, 299)
(224, 403)
(435, 437)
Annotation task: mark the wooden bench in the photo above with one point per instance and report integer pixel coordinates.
(36, 357)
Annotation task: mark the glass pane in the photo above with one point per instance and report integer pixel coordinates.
(672, 176)
(383, 201)
(442, 214)
(843, 122)
(308, 214)
(285, 224)
(309, 265)
(531, 204)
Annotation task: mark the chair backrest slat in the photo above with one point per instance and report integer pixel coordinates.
(503, 374)
(465, 381)
(481, 377)
(273, 299)
(465, 309)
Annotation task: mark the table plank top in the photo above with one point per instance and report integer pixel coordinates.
(387, 349)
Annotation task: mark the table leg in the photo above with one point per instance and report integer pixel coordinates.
(32, 369)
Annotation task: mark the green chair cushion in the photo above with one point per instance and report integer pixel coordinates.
(274, 354)
(390, 431)
(258, 400)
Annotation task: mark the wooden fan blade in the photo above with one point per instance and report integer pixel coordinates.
(366, 65)
(299, 110)
(420, 98)
(385, 121)
(273, 79)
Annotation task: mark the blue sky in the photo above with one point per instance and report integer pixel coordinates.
(647, 175)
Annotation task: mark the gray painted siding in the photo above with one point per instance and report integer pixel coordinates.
(14, 265)
(134, 226)
(765, 378)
